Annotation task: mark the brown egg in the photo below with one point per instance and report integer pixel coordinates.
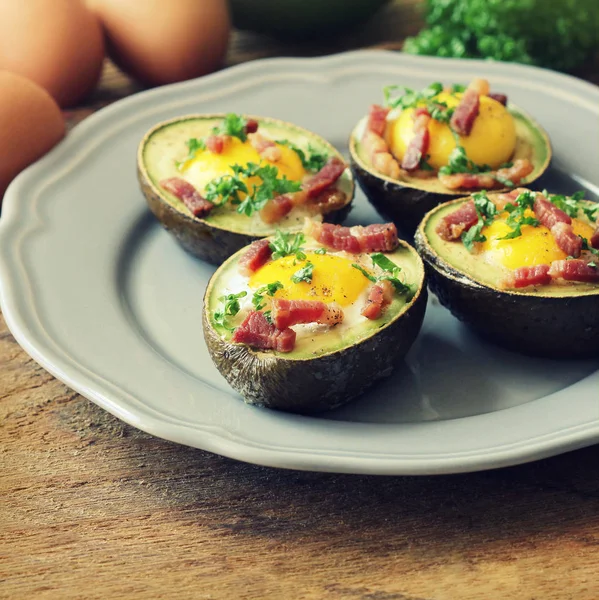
(56, 43)
(30, 124)
(161, 42)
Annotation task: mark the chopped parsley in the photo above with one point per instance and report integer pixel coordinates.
(269, 289)
(225, 189)
(229, 308)
(303, 274)
(458, 88)
(320, 251)
(312, 159)
(487, 211)
(287, 244)
(410, 98)
(194, 145)
(233, 125)
(518, 217)
(459, 162)
(587, 246)
(571, 205)
(391, 272)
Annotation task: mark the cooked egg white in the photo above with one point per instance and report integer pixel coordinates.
(492, 140)
(536, 245)
(207, 165)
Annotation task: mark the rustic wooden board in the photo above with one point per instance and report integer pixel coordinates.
(92, 508)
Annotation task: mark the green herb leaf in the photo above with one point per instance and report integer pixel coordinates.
(458, 88)
(517, 217)
(269, 289)
(225, 189)
(459, 162)
(194, 145)
(392, 273)
(229, 308)
(312, 159)
(287, 244)
(364, 272)
(487, 211)
(320, 251)
(303, 274)
(233, 125)
(587, 246)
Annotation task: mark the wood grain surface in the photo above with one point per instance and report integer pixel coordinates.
(93, 508)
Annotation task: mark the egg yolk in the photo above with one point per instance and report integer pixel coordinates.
(333, 279)
(207, 165)
(536, 245)
(492, 140)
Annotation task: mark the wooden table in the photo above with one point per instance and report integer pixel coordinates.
(92, 508)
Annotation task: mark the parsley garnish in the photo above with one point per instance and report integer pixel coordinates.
(230, 307)
(424, 164)
(269, 289)
(458, 88)
(573, 204)
(225, 189)
(487, 212)
(458, 162)
(233, 125)
(517, 217)
(320, 251)
(303, 274)
(312, 159)
(194, 145)
(391, 273)
(287, 244)
(587, 246)
(439, 111)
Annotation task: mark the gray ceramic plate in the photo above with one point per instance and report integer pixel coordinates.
(105, 300)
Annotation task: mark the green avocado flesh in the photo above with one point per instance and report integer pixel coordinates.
(456, 255)
(336, 338)
(167, 144)
(531, 143)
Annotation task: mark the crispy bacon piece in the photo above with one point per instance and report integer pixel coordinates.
(266, 148)
(277, 208)
(574, 270)
(520, 169)
(329, 200)
(378, 151)
(381, 237)
(501, 98)
(418, 145)
(216, 143)
(193, 200)
(549, 214)
(502, 200)
(566, 239)
(293, 312)
(255, 256)
(594, 241)
(326, 177)
(455, 223)
(251, 126)
(377, 119)
(379, 296)
(257, 332)
(525, 276)
(466, 112)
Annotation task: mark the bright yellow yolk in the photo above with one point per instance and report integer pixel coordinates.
(492, 140)
(207, 165)
(333, 279)
(536, 245)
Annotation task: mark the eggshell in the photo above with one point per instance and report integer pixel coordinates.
(162, 42)
(56, 43)
(30, 124)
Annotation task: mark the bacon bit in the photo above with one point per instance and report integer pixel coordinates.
(328, 200)
(266, 148)
(574, 270)
(380, 295)
(216, 143)
(525, 276)
(294, 312)
(466, 112)
(501, 98)
(257, 332)
(381, 237)
(251, 126)
(566, 239)
(594, 241)
(502, 200)
(549, 214)
(520, 169)
(255, 256)
(274, 210)
(455, 223)
(377, 119)
(193, 200)
(377, 151)
(327, 176)
(480, 86)
(419, 143)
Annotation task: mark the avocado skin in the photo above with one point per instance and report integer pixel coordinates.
(314, 385)
(403, 205)
(542, 326)
(198, 237)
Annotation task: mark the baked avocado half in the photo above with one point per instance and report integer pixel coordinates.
(424, 148)
(219, 181)
(295, 324)
(519, 268)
